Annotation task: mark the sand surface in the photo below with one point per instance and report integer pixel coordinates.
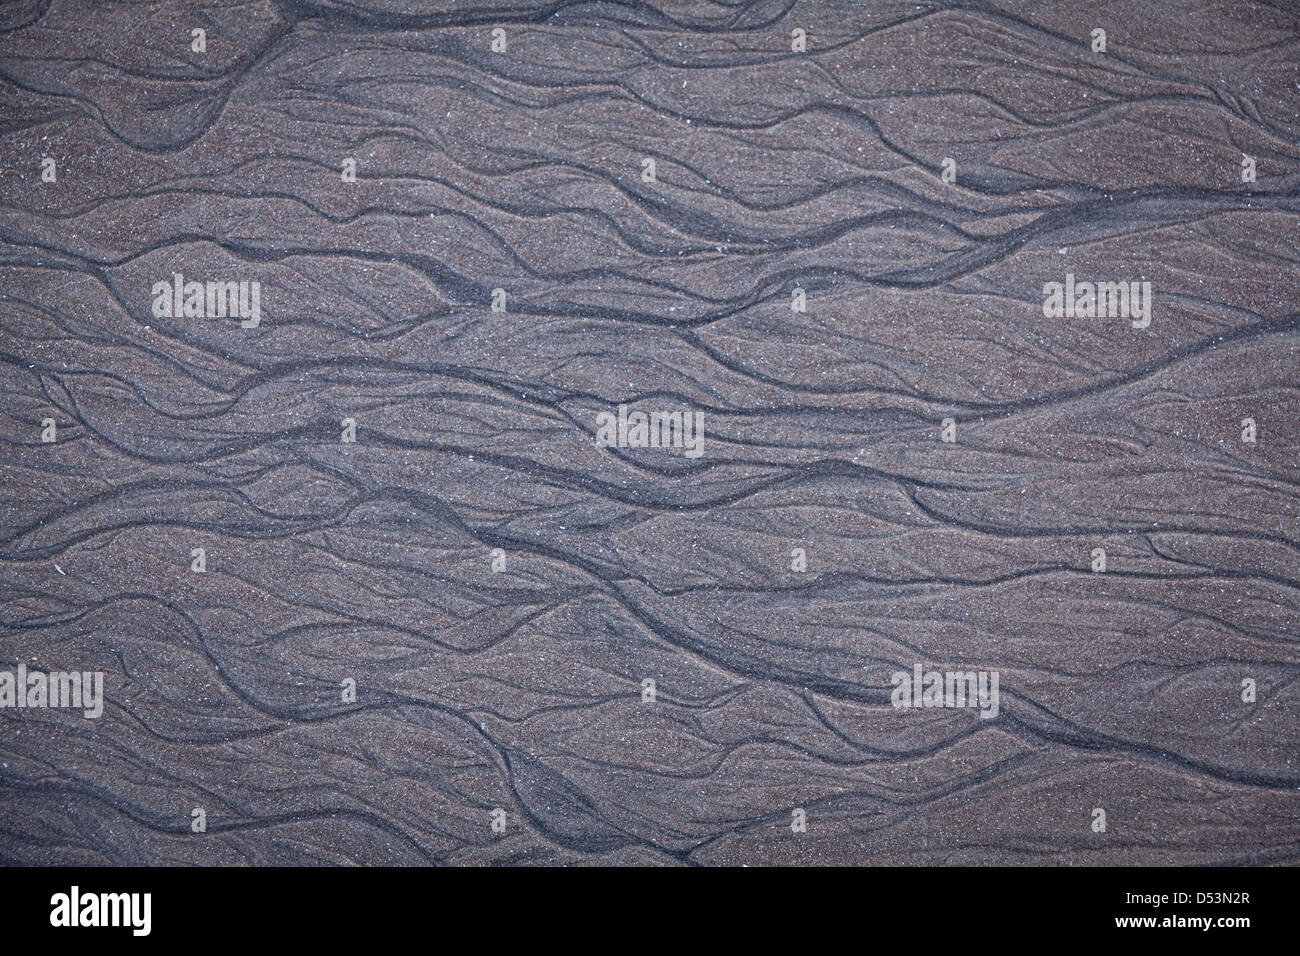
(498, 583)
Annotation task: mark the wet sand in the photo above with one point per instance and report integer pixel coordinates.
(498, 583)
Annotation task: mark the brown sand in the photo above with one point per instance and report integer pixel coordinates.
(522, 689)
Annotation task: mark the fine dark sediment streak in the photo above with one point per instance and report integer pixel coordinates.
(775, 170)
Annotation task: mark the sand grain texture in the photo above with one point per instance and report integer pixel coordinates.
(522, 689)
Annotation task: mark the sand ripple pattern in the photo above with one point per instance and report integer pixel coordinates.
(522, 689)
